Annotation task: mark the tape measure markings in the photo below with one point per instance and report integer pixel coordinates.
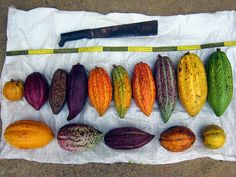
(115, 49)
(121, 49)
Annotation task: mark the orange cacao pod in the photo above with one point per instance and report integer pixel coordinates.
(99, 89)
(144, 90)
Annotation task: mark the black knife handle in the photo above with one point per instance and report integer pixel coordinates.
(74, 35)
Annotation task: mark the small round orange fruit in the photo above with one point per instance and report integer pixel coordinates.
(13, 90)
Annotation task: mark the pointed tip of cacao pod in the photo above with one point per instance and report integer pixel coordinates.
(187, 53)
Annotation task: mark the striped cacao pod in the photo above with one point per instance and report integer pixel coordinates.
(100, 89)
(144, 90)
(166, 86)
(192, 83)
(122, 90)
(220, 82)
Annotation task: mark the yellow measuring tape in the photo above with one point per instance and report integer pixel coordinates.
(121, 49)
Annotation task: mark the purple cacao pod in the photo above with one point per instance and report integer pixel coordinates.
(36, 90)
(166, 86)
(127, 138)
(57, 91)
(78, 137)
(77, 90)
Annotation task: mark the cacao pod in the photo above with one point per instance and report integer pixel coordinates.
(213, 136)
(13, 90)
(57, 91)
(36, 90)
(177, 139)
(100, 89)
(192, 83)
(77, 90)
(28, 134)
(122, 90)
(78, 137)
(166, 86)
(220, 82)
(143, 85)
(127, 138)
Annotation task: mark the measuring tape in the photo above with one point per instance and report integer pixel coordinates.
(120, 49)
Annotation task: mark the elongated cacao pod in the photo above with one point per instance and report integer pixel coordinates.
(122, 90)
(220, 82)
(78, 137)
(192, 83)
(57, 91)
(127, 138)
(166, 86)
(143, 85)
(100, 89)
(77, 90)
(36, 90)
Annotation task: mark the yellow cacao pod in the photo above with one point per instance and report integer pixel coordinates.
(213, 136)
(192, 83)
(13, 90)
(28, 134)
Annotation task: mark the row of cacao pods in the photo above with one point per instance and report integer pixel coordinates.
(194, 85)
(28, 134)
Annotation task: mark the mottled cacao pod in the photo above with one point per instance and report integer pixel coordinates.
(78, 137)
(57, 91)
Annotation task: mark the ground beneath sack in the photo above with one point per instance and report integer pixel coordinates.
(199, 167)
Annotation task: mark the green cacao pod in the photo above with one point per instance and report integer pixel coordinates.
(122, 90)
(220, 82)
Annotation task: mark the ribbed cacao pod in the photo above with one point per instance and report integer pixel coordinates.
(36, 90)
(78, 137)
(28, 134)
(57, 91)
(100, 89)
(220, 82)
(143, 85)
(127, 138)
(177, 139)
(166, 86)
(122, 90)
(192, 83)
(77, 90)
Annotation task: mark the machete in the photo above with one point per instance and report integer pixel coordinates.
(146, 28)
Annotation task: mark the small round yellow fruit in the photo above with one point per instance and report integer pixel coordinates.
(213, 136)
(13, 90)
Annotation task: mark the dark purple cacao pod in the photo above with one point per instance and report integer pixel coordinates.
(77, 90)
(36, 90)
(127, 138)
